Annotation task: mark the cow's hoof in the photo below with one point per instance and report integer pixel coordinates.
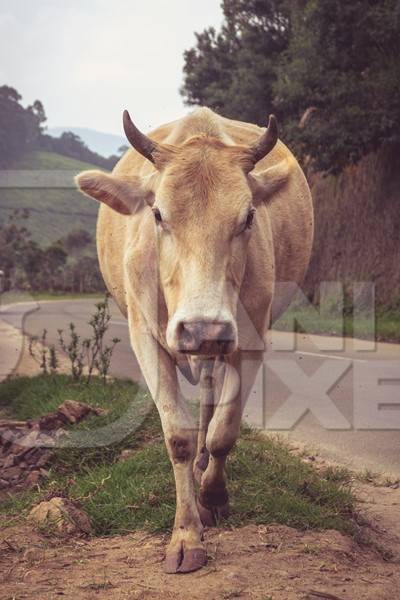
(213, 515)
(185, 560)
(213, 496)
(221, 512)
(206, 515)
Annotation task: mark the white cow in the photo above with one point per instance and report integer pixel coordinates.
(196, 226)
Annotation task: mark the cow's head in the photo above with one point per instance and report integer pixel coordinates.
(204, 198)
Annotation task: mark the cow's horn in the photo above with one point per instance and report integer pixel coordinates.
(267, 141)
(139, 141)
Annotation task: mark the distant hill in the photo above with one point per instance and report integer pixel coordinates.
(53, 212)
(37, 159)
(105, 144)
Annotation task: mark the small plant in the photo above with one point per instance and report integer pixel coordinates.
(53, 360)
(45, 356)
(91, 352)
(75, 350)
(89, 355)
(99, 355)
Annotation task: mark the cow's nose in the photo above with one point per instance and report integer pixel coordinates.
(206, 337)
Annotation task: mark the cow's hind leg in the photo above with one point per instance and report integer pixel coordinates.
(206, 413)
(223, 431)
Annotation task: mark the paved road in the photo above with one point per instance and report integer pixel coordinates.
(349, 386)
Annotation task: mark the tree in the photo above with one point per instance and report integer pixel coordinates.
(36, 118)
(70, 144)
(233, 71)
(20, 127)
(86, 275)
(343, 61)
(20, 257)
(329, 70)
(76, 240)
(29, 267)
(54, 259)
(12, 125)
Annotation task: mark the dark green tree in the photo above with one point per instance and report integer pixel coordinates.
(234, 71)
(13, 132)
(340, 79)
(76, 240)
(330, 70)
(20, 128)
(54, 259)
(20, 257)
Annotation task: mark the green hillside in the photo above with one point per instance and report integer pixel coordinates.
(50, 160)
(53, 212)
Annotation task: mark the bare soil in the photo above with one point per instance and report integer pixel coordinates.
(257, 562)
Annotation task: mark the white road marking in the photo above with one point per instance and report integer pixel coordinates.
(319, 355)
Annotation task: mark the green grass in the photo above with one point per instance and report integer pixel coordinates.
(32, 397)
(66, 296)
(268, 483)
(304, 320)
(15, 298)
(60, 209)
(388, 324)
(37, 160)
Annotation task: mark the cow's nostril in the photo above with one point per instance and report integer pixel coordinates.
(226, 333)
(206, 337)
(186, 334)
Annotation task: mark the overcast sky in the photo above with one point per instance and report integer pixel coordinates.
(87, 60)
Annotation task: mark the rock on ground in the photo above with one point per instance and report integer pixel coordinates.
(61, 515)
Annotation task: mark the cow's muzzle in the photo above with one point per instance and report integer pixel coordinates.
(208, 338)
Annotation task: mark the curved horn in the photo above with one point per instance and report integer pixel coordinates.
(139, 141)
(267, 141)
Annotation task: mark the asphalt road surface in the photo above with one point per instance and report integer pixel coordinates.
(339, 397)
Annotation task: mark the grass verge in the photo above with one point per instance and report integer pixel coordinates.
(66, 296)
(268, 483)
(385, 326)
(17, 297)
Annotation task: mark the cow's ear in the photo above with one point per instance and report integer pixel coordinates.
(125, 195)
(268, 182)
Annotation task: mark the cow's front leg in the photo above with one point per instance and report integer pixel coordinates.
(186, 551)
(223, 432)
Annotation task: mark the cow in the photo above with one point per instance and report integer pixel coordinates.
(199, 224)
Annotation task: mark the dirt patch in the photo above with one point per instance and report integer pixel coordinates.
(381, 507)
(255, 562)
(25, 445)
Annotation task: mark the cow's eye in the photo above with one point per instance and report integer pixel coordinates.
(250, 218)
(157, 215)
